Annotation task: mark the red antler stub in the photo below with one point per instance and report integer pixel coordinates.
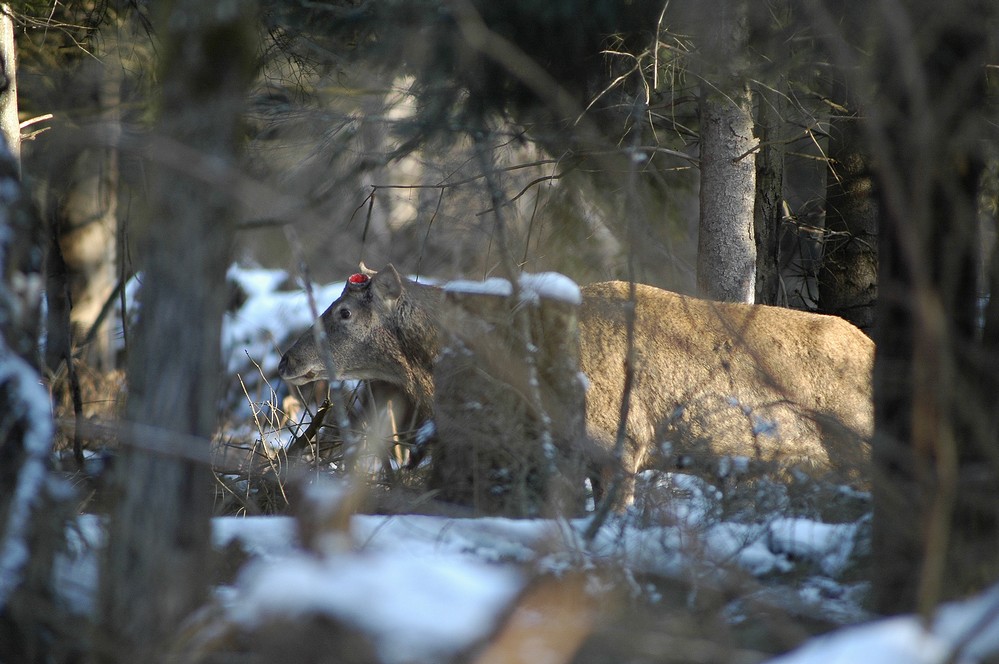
(358, 280)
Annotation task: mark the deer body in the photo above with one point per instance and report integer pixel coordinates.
(710, 378)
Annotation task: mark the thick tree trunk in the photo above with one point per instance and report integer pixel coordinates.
(726, 248)
(156, 568)
(9, 125)
(21, 261)
(936, 523)
(82, 215)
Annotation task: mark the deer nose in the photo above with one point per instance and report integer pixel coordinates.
(283, 366)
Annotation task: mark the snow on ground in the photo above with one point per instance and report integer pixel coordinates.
(427, 587)
(423, 610)
(268, 317)
(960, 632)
(424, 588)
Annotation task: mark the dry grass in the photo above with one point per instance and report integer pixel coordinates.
(294, 439)
(102, 398)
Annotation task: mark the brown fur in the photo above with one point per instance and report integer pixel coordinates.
(711, 378)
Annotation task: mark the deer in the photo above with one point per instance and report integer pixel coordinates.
(711, 379)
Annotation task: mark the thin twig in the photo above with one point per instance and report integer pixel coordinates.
(105, 310)
(337, 397)
(610, 498)
(308, 436)
(260, 430)
(522, 321)
(77, 398)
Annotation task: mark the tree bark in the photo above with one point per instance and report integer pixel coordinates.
(81, 193)
(769, 204)
(770, 23)
(156, 568)
(20, 313)
(848, 279)
(9, 126)
(935, 528)
(726, 249)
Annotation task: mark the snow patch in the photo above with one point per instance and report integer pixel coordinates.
(418, 610)
(551, 286)
(266, 537)
(967, 628)
(828, 545)
(491, 286)
(426, 432)
(542, 285)
(268, 318)
(75, 570)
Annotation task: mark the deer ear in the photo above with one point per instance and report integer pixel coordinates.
(387, 283)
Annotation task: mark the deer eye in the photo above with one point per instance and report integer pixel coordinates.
(344, 314)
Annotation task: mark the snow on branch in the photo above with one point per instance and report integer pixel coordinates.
(26, 426)
(25, 435)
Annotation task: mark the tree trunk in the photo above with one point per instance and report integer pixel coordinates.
(9, 126)
(769, 205)
(22, 238)
(726, 249)
(936, 523)
(82, 212)
(769, 25)
(156, 568)
(848, 279)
